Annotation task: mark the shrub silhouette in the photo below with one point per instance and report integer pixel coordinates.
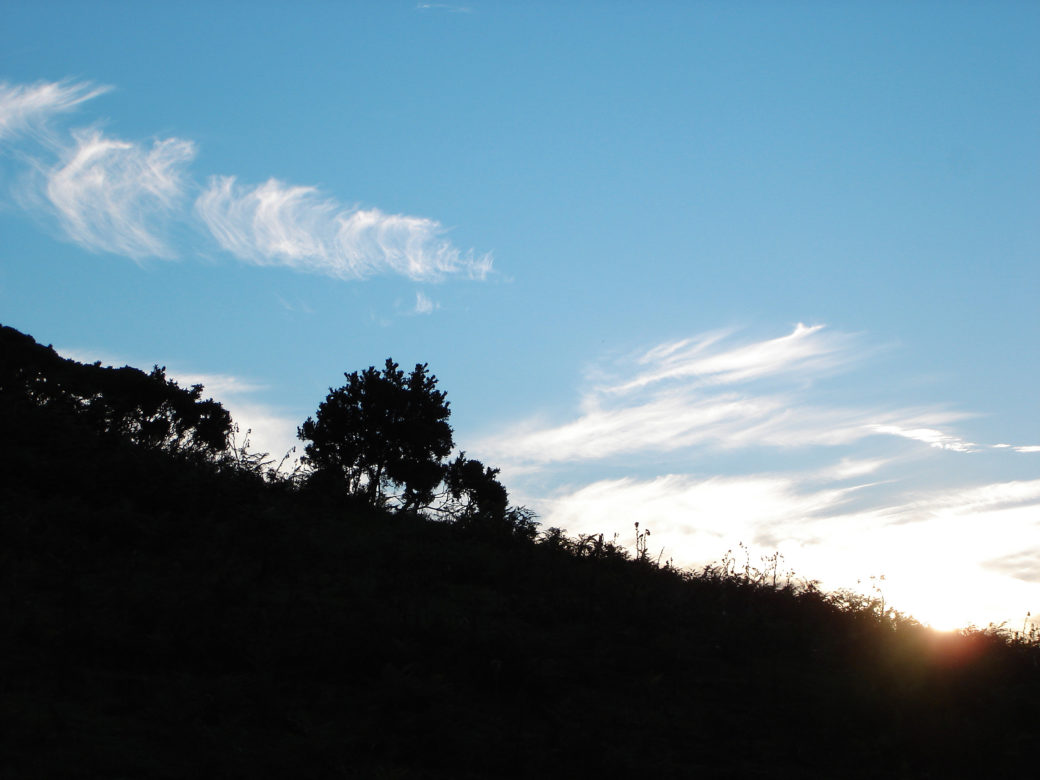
(382, 429)
(145, 409)
(481, 503)
(484, 496)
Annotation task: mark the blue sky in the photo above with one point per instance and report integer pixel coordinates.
(743, 272)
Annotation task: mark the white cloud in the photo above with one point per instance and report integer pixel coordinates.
(125, 197)
(943, 553)
(994, 496)
(930, 436)
(675, 420)
(218, 385)
(268, 430)
(26, 109)
(850, 468)
(715, 507)
(117, 196)
(423, 305)
(693, 409)
(806, 349)
(874, 501)
(447, 7)
(798, 506)
(294, 226)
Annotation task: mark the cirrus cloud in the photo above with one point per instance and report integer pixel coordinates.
(702, 431)
(280, 224)
(701, 392)
(807, 348)
(129, 198)
(116, 196)
(25, 109)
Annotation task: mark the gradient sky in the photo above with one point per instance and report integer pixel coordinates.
(744, 272)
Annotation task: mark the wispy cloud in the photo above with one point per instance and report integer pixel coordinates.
(295, 306)
(773, 507)
(702, 429)
(26, 109)
(116, 196)
(699, 393)
(930, 436)
(126, 197)
(717, 507)
(1023, 448)
(1022, 565)
(852, 468)
(446, 7)
(949, 557)
(989, 497)
(217, 385)
(725, 421)
(279, 224)
(423, 305)
(806, 349)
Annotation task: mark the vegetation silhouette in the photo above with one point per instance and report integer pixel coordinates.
(380, 429)
(145, 409)
(175, 610)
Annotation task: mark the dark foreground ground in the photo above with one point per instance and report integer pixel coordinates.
(163, 621)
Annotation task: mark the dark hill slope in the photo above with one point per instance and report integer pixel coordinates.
(164, 620)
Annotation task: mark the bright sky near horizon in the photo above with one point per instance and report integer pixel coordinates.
(742, 272)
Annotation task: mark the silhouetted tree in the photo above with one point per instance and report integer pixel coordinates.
(470, 481)
(147, 409)
(481, 502)
(382, 428)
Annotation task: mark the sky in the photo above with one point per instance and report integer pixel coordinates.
(745, 273)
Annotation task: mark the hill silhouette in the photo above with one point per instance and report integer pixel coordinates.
(170, 610)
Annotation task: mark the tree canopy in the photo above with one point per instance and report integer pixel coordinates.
(470, 481)
(382, 429)
(146, 409)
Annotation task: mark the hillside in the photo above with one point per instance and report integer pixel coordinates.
(170, 615)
